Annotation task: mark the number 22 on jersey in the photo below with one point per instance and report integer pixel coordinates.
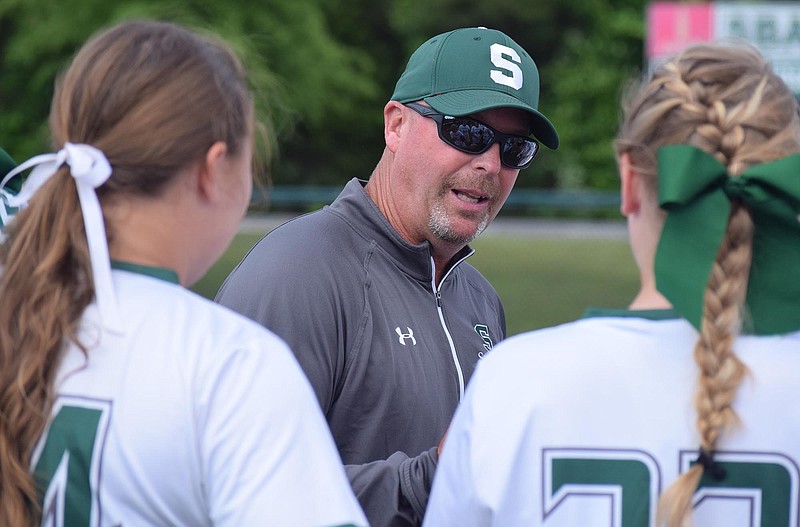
(760, 489)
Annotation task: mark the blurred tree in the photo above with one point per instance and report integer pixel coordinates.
(598, 55)
(323, 70)
(347, 143)
(302, 75)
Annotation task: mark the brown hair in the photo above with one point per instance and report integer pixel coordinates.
(724, 99)
(154, 97)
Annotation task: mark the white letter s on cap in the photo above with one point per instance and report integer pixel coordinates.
(513, 77)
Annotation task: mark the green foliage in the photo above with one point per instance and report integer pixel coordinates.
(598, 56)
(322, 71)
(302, 76)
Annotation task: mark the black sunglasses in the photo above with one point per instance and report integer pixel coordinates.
(473, 137)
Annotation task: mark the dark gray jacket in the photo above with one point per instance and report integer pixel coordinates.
(386, 352)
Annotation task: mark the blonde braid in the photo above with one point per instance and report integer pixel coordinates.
(721, 372)
(727, 101)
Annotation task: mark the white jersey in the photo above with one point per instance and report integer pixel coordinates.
(587, 423)
(195, 416)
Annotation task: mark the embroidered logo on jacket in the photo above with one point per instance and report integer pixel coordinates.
(483, 331)
(403, 336)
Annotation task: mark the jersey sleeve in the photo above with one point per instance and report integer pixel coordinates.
(454, 498)
(268, 457)
(488, 471)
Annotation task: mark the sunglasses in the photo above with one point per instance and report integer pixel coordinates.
(473, 137)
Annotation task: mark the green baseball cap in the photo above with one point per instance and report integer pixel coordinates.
(470, 70)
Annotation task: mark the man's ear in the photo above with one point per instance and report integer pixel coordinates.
(392, 124)
(211, 173)
(631, 186)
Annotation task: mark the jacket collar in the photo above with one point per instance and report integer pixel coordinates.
(362, 214)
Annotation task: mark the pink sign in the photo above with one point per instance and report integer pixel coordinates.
(671, 26)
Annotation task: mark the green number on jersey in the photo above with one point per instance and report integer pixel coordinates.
(627, 479)
(763, 487)
(67, 462)
(767, 484)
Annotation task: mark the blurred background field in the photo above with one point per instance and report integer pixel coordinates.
(543, 278)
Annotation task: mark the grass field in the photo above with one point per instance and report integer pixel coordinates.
(542, 282)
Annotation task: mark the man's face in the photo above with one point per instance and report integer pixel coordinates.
(449, 196)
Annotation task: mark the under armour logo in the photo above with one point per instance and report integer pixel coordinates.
(404, 336)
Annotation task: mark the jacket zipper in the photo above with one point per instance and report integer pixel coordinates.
(438, 296)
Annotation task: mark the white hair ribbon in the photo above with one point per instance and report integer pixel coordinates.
(90, 169)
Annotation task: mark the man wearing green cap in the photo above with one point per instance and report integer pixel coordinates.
(373, 293)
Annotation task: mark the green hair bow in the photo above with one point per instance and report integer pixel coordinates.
(696, 191)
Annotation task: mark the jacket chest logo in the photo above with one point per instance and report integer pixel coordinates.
(403, 337)
(483, 332)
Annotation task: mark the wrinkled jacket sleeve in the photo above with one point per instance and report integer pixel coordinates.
(394, 492)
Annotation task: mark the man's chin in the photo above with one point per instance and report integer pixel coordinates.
(461, 236)
(458, 228)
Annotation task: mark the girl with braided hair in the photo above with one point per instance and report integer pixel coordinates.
(126, 399)
(680, 408)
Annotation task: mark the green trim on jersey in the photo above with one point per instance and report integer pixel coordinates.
(168, 275)
(648, 314)
(7, 164)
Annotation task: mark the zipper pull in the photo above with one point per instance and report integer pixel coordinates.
(438, 298)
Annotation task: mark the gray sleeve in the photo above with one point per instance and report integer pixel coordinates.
(394, 492)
